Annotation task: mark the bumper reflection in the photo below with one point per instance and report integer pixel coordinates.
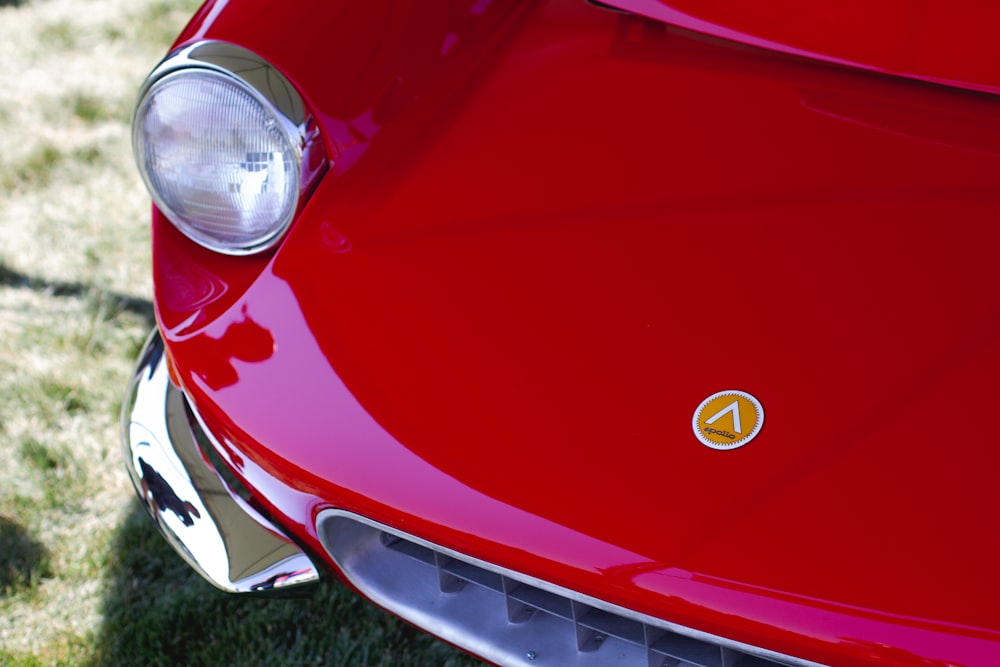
(222, 537)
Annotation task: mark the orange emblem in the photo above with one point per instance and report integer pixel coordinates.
(728, 419)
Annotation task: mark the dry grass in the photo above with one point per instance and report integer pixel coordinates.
(84, 578)
(74, 290)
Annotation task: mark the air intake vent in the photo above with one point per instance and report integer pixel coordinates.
(513, 619)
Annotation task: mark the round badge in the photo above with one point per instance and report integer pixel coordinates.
(728, 419)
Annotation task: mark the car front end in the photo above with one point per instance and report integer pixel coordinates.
(480, 306)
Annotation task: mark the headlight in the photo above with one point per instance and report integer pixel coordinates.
(219, 138)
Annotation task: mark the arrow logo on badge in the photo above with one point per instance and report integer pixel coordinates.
(733, 407)
(744, 410)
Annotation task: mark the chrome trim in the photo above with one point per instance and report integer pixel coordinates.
(241, 64)
(272, 89)
(510, 618)
(222, 537)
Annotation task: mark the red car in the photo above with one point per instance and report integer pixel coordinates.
(480, 305)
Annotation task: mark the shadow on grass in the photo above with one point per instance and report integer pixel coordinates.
(157, 611)
(23, 561)
(11, 278)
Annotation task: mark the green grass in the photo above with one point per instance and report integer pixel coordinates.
(332, 627)
(84, 577)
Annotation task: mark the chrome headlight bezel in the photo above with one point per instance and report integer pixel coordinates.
(249, 74)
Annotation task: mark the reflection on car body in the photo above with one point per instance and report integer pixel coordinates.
(481, 306)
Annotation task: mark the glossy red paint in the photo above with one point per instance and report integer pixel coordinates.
(945, 42)
(550, 232)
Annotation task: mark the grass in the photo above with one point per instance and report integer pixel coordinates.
(84, 577)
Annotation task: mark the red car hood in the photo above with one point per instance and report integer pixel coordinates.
(953, 43)
(499, 311)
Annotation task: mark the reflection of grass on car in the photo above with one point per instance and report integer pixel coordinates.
(84, 577)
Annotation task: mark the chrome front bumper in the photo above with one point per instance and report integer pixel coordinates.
(212, 528)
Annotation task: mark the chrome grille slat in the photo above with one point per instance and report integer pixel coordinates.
(476, 575)
(514, 619)
(411, 549)
(689, 650)
(614, 625)
(543, 600)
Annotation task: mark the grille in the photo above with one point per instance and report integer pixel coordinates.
(513, 619)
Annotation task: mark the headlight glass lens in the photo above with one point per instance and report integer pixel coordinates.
(218, 160)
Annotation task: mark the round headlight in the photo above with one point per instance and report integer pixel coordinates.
(219, 159)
